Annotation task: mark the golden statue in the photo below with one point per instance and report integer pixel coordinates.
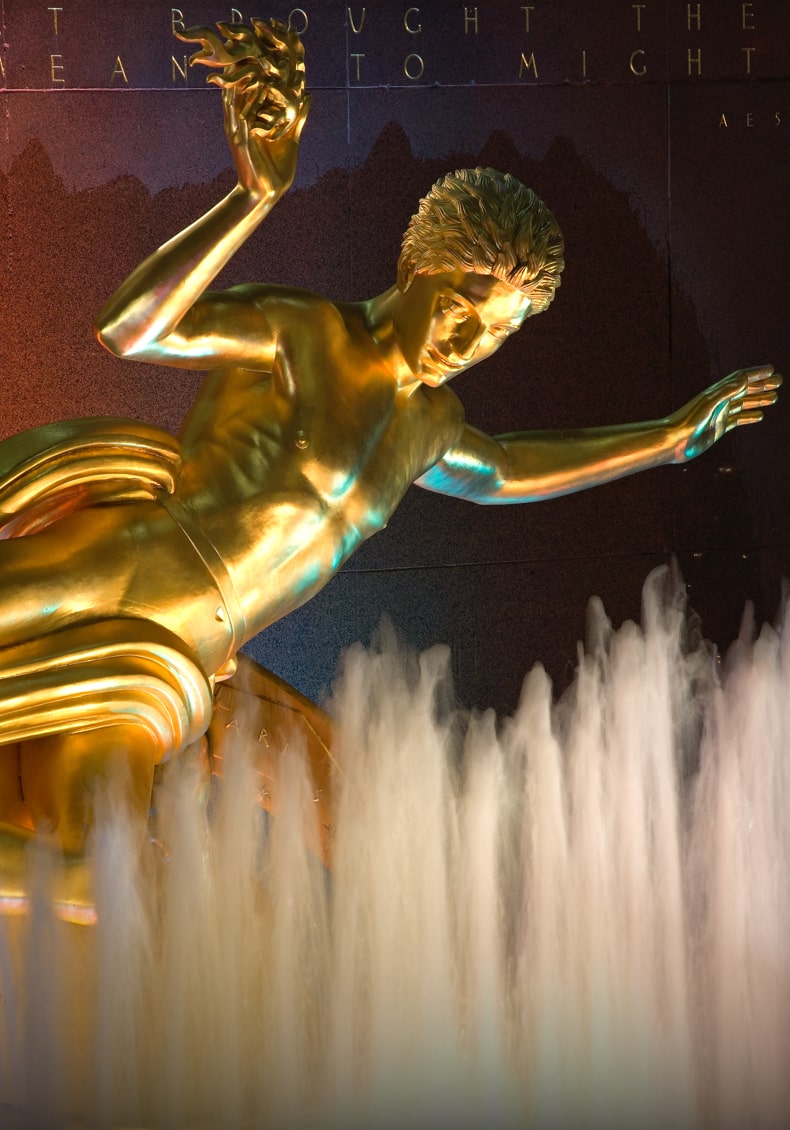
(134, 566)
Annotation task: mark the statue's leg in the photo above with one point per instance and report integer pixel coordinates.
(111, 562)
(50, 580)
(88, 712)
(64, 777)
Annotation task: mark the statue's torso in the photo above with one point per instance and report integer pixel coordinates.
(289, 471)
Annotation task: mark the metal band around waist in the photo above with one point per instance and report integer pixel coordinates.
(209, 555)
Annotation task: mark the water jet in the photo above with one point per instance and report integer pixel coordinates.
(576, 916)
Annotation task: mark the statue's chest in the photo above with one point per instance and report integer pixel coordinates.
(381, 460)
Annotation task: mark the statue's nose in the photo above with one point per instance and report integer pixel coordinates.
(471, 342)
(465, 346)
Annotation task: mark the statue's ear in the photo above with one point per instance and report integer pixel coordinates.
(403, 280)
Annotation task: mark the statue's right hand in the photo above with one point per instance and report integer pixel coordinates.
(261, 72)
(265, 164)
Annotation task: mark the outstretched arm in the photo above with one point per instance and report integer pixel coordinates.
(161, 313)
(530, 466)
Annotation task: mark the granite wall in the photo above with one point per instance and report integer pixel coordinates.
(657, 133)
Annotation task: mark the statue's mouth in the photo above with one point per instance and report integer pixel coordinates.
(444, 363)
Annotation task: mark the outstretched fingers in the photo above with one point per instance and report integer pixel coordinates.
(759, 390)
(761, 399)
(762, 387)
(750, 417)
(760, 376)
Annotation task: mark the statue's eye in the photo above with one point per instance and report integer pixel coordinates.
(450, 305)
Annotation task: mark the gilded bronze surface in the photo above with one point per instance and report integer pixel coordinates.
(147, 562)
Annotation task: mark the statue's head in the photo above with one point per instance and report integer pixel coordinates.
(482, 254)
(485, 223)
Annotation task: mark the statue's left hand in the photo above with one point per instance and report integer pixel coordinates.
(736, 399)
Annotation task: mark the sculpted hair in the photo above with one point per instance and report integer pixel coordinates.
(486, 223)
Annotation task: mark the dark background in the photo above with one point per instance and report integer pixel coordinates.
(671, 188)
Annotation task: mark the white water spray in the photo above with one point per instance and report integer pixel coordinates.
(576, 918)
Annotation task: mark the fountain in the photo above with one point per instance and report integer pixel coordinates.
(573, 917)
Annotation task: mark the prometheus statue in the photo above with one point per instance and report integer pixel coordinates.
(134, 566)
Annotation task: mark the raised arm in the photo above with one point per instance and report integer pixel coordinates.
(161, 312)
(531, 466)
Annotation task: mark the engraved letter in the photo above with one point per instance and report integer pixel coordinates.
(695, 60)
(584, 64)
(55, 11)
(749, 120)
(747, 17)
(641, 69)
(412, 30)
(526, 10)
(118, 70)
(176, 67)
(777, 116)
(723, 122)
(527, 65)
(299, 30)
(420, 67)
(470, 19)
(177, 20)
(748, 52)
(695, 16)
(639, 8)
(357, 57)
(56, 64)
(356, 30)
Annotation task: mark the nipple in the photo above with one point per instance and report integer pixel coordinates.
(301, 441)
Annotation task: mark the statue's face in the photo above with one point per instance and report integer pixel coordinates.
(447, 322)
